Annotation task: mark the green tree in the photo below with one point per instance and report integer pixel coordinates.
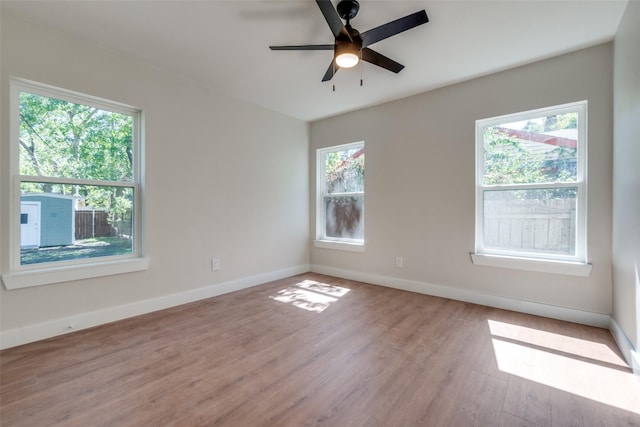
(62, 139)
(508, 161)
(345, 171)
(561, 121)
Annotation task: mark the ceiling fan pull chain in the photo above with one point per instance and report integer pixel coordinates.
(334, 88)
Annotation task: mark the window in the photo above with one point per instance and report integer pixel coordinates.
(76, 167)
(340, 202)
(531, 185)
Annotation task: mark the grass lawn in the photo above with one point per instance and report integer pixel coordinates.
(87, 248)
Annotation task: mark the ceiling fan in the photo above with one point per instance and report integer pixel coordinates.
(350, 45)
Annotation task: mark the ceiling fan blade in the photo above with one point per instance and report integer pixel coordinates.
(331, 71)
(333, 19)
(392, 28)
(380, 60)
(304, 47)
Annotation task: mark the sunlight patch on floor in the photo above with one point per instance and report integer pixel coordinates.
(560, 343)
(581, 367)
(310, 295)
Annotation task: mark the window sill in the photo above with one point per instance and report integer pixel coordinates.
(341, 246)
(530, 264)
(51, 275)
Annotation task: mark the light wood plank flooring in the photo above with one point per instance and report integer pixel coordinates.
(313, 350)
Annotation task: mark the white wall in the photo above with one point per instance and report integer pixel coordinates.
(626, 177)
(223, 179)
(420, 178)
(231, 180)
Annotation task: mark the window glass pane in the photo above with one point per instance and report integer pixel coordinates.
(542, 149)
(345, 171)
(76, 222)
(541, 220)
(67, 140)
(344, 217)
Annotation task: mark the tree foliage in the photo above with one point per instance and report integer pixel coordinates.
(345, 171)
(61, 139)
(508, 161)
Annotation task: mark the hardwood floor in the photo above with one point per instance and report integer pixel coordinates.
(305, 351)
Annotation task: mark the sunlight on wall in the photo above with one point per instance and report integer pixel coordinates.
(581, 367)
(310, 295)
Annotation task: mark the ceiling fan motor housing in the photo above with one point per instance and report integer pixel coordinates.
(347, 46)
(348, 9)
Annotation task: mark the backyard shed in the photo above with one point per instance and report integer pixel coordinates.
(46, 220)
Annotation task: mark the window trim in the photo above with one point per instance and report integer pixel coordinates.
(528, 264)
(322, 241)
(561, 264)
(21, 276)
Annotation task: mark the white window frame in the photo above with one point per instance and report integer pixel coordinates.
(22, 276)
(543, 262)
(322, 241)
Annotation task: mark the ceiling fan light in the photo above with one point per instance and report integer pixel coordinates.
(347, 60)
(347, 54)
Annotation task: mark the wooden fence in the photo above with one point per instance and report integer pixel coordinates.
(93, 223)
(531, 225)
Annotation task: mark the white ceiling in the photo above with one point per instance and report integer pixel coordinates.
(224, 44)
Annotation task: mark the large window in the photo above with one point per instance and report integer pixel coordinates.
(340, 203)
(531, 184)
(76, 169)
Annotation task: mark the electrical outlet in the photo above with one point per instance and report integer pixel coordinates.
(215, 264)
(399, 261)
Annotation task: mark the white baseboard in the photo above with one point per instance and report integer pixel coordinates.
(562, 313)
(40, 331)
(630, 354)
